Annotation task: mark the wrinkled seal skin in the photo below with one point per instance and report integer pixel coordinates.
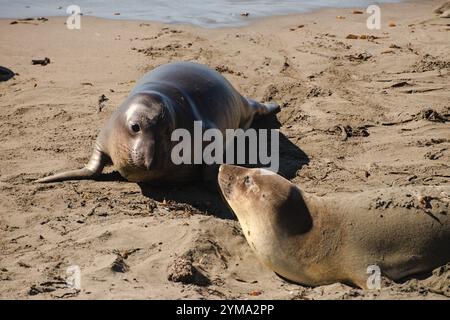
(315, 241)
(137, 137)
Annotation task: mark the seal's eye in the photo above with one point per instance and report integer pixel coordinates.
(135, 127)
(248, 181)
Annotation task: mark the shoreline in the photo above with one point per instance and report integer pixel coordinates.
(260, 22)
(245, 21)
(357, 113)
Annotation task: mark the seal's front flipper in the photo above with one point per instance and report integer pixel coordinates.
(93, 168)
(79, 174)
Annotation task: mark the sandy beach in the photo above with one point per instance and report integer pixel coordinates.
(356, 114)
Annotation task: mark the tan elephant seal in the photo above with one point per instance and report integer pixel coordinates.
(137, 137)
(315, 240)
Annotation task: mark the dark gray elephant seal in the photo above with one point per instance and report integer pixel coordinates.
(137, 137)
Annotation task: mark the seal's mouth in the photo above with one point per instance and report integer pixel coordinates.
(142, 153)
(226, 181)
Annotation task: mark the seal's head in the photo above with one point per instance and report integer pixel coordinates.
(139, 136)
(268, 206)
(272, 213)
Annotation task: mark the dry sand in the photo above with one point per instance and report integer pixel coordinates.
(375, 90)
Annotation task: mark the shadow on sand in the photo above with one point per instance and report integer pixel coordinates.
(207, 198)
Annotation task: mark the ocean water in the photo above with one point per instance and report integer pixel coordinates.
(204, 13)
